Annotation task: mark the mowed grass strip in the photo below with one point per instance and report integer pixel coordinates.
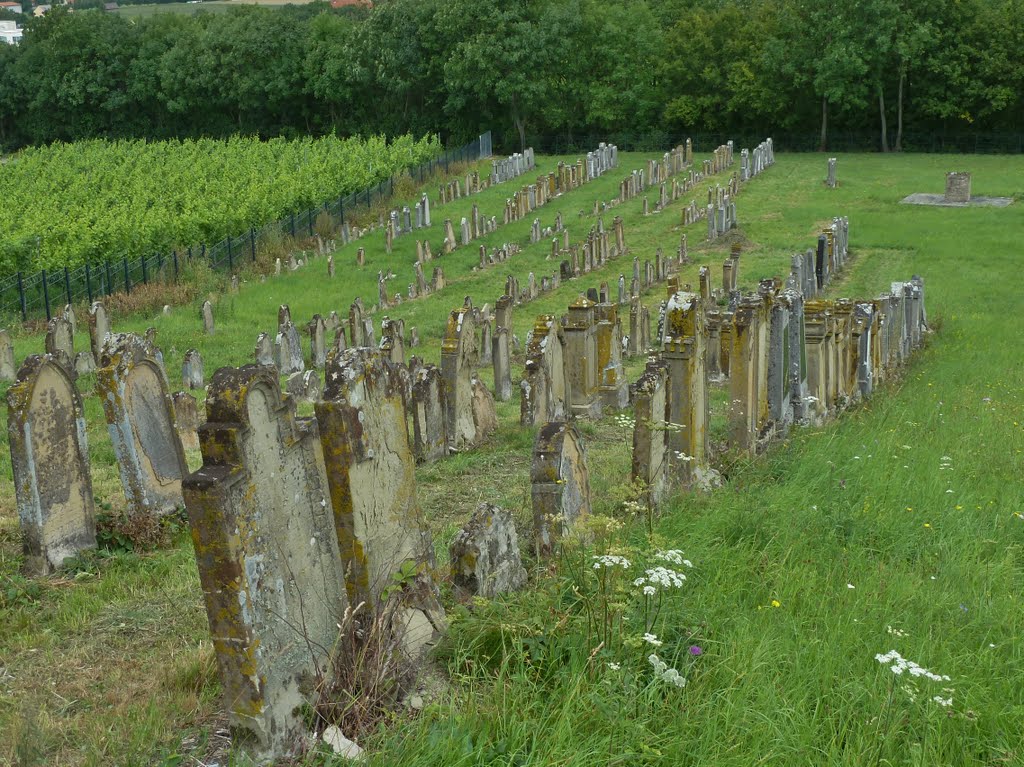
(850, 529)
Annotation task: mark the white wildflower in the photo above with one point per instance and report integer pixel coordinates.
(614, 666)
(609, 561)
(652, 639)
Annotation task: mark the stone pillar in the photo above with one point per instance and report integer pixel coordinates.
(502, 365)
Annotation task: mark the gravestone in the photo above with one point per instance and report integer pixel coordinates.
(486, 350)
(485, 558)
(7, 366)
(372, 477)
(392, 342)
(544, 387)
(429, 407)
(140, 418)
(650, 451)
(60, 341)
(207, 314)
(99, 326)
(467, 426)
(50, 461)
(192, 370)
(304, 386)
(288, 350)
(958, 187)
(264, 351)
(612, 380)
(186, 416)
(581, 357)
(268, 556)
(317, 329)
(501, 360)
(84, 364)
(560, 484)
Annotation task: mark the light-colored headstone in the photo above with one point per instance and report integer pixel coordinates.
(264, 351)
(288, 350)
(186, 416)
(60, 340)
(459, 358)
(192, 370)
(501, 360)
(140, 418)
(430, 428)
(485, 556)
(317, 341)
(560, 484)
(207, 315)
(544, 388)
(372, 476)
(7, 366)
(84, 364)
(268, 555)
(50, 459)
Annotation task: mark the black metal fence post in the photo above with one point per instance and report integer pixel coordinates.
(67, 284)
(46, 297)
(110, 280)
(145, 274)
(127, 279)
(174, 253)
(252, 242)
(231, 258)
(341, 210)
(21, 297)
(88, 283)
(309, 216)
(293, 225)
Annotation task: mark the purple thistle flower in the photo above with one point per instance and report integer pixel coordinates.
(695, 650)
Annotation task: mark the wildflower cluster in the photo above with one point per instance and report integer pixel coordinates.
(901, 664)
(623, 420)
(609, 561)
(661, 576)
(673, 557)
(664, 673)
(895, 632)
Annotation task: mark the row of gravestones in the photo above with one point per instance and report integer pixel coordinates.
(789, 358)
(60, 342)
(293, 520)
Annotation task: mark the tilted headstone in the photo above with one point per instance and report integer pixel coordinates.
(560, 484)
(192, 370)
(650, 465)
(467, 418)
(140, 418)
(268, 555)
(485, 558)
(50, 460)
(372, 477)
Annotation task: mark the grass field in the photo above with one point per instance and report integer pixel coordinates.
(899, 526)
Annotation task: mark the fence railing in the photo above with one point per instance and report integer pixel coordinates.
(32, 296)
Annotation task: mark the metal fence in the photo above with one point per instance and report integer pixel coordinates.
(32, 296)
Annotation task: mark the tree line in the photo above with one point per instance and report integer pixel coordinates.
(524, 68)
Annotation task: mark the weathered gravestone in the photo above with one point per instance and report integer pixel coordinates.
(650, 464)
(544, 388)
(99, 326)
(560, 484)
(485, 558)
(264, 351)
(7, 367)
(186, 417)
(207, 315)
(471, 414)
(50, 460)
(192, 370)
(372, 477)
(267, 551)
(958, 186)
(317, 341)
(288, 350)
(305, 386)
(502, 364)
(140, 419)
(60, 342)
(429, 414)
(84, 364)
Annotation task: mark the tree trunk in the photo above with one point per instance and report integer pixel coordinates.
(881, 113)
(521, 127)
(899, 111)
(823, 144)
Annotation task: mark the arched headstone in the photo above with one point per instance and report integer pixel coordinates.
(50, 459)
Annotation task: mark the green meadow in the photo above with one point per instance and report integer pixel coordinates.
(897, 526)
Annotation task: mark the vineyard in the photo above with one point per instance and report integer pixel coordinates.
(92, 201)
